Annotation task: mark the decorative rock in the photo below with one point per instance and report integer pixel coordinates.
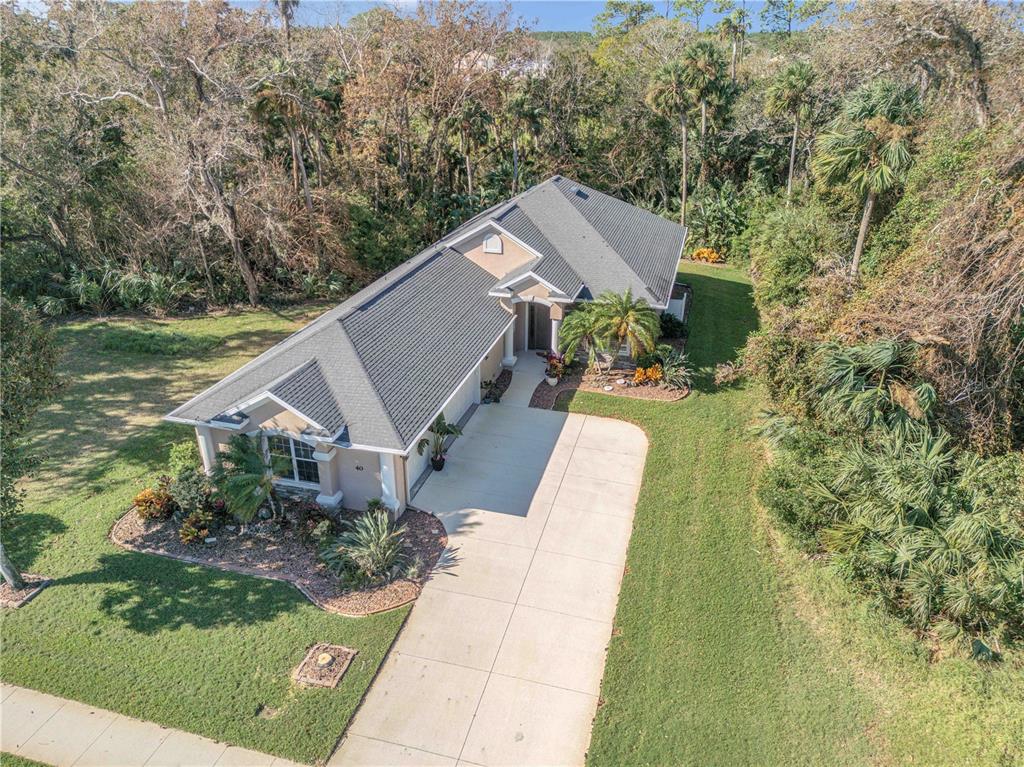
(609, 388)
(621, 382)
(211, 539)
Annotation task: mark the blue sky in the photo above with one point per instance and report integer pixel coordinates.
(541, 15)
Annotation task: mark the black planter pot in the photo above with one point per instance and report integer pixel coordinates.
(437, 463)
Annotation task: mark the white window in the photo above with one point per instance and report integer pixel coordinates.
(295, 460)
(492, 243)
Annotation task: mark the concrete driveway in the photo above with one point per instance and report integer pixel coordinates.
(500, 662)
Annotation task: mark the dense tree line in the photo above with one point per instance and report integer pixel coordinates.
(163, 155)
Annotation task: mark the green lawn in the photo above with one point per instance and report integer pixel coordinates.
(185, 646)
(730, 649)
(11, 760)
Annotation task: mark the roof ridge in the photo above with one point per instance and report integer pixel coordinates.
(611, 247)
(572, 210)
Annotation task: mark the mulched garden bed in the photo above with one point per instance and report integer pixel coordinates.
(16, 598)
(545, 395)
(501, 383)
(268, 550)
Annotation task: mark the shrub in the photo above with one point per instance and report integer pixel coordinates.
(195, 527)
(311, 521)
(556, 365)
(930, 530)
(727, 373)
(779, 361)
(155, 502)
(184, 455)
(369, 551)
(191, 492)
(673, 327)
(783, 489)
(715, 219)
(787, 248)
(707, 255)
(647, 359)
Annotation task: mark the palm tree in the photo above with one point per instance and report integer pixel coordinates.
(581, 326)
(869, 146)
(733, 28)
(872, 385)
(789, 94)
(704, 70)
(704, 74)
(278, 107)
(669, 96)
(244, 475)
(286, 10)
(523, 112)
(10, 573)
(624, 319)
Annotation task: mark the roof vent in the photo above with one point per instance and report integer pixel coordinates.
(581, 194)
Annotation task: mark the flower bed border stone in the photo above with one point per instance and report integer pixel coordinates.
(545, 396)
(11, 599)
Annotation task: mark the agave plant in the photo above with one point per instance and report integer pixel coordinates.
(370, 549)
(676, 370)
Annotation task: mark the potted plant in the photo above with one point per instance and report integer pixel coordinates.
(440, 430)
(555, 368)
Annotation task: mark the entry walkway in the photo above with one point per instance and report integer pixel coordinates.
(64, 732)
(527, 373)
(500, 661)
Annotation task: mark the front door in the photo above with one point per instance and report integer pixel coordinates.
(539, 326)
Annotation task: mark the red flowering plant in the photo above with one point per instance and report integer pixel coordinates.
(556, 365)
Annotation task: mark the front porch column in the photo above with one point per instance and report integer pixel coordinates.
(479, 385)
(207, 447)
(388, 484)
(327, 465)
(508, 356)
(555, 327)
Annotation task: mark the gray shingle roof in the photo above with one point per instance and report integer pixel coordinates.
(419, 339)
(388, 357)
(376, 368)
(648, 243)
(583, 248)
(307, 391)
(552, 267)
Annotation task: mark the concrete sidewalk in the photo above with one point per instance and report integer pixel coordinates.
(64, 733)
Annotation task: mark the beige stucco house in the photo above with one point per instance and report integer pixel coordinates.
(346, 399)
